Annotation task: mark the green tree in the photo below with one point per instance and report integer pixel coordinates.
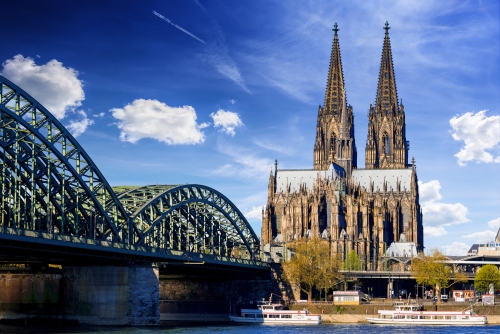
(433, 271)
(352, 261)
(487, 275)
(311, 266)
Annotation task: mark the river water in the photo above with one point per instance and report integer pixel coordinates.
(257, 329)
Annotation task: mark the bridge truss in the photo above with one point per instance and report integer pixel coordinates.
(52, 189)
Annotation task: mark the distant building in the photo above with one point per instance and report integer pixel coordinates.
(365, 210)
(491, 248)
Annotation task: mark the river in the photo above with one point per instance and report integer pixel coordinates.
(256, 329)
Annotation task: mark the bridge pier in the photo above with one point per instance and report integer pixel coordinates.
(112, 295)
(95, 295)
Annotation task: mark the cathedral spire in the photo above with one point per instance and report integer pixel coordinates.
(386, 145)
(387, 96)
(335, 85)
(335, 129)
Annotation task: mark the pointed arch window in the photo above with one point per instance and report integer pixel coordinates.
(386, 143)
(333, 142)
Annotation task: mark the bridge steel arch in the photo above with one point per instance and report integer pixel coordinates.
(50, 185)
(190, 217)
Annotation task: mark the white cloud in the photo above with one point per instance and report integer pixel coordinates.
(483, 236)
(154, 119)
(434, 231)
(479, 133)
(56, 87)
(495, 223)
(100, 115)
(232, 101)
(255, 213)
(77, 127)
(227, 120)
(444, 214)
(456, 248)
(439, 215)
(429, 192)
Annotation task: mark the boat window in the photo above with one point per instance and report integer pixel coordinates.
(448, 317)
(439, 317)
(274, 315)
(286, 316)
(265, 315)
(259, 316)
(249, 315)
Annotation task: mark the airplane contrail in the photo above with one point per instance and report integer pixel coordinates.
(180, 28)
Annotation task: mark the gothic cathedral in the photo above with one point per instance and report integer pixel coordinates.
(365, 210)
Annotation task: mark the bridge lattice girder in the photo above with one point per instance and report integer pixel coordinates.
(50, 184)
(189, 217)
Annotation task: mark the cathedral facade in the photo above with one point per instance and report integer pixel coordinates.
(361, 209)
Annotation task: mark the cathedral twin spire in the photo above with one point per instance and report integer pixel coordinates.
(386, 145)
(335, 129)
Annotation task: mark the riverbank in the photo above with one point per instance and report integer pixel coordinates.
(358, 313)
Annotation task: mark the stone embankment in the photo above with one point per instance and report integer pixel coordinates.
(359, 313)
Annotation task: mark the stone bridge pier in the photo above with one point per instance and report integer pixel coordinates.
(112, 295)
(96, 295)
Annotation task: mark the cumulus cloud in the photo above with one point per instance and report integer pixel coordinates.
(495, 223)
(479, 134)
(56, 87)
(154, 119)
(432, 231)
(481, 237)
(456, 248)
(429, 192)
(255, 213)
(78, 126)
(438, 215)
(227, 120)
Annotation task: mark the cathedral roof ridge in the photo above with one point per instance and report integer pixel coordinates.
(302, 169)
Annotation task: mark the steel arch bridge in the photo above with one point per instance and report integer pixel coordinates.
(51, 189)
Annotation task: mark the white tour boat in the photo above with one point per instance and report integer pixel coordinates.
(413, 314)
(273, 313)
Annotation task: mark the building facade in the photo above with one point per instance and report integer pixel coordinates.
(352, 208)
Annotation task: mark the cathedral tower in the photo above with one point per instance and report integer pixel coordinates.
(335, 128)
(386, 146)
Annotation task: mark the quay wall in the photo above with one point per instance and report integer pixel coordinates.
(107, 295)
(228, 291)
(358, 313)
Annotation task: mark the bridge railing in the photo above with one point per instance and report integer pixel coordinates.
(141, 249)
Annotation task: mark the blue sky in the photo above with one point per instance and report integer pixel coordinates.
(213, 92)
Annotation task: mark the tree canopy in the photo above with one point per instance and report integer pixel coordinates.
(487, 275)
(352, 261)
(311, 266)
(432, 270)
